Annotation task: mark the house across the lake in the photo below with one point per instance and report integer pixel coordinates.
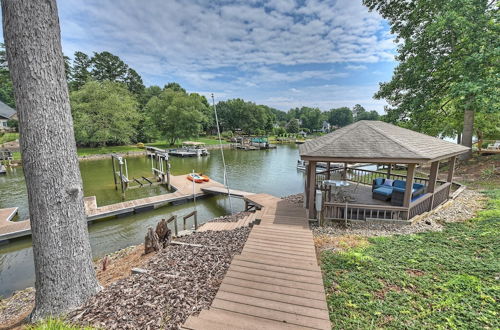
(6, 113)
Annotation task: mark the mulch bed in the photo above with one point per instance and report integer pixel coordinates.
(180, 281)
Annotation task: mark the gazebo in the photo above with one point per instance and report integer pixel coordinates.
(377, 195)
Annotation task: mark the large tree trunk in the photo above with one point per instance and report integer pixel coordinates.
(468, 132)
(65, 275)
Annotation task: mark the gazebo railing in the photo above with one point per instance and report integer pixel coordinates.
(341, 211)
(365, 176)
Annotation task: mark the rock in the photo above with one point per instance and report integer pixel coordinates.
(137, 270)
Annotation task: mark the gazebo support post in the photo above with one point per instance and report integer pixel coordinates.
(311, 184)
(344, 175)
(451, 168)
(410, 176)
(432, 181)
(389, 166)
(328, 170)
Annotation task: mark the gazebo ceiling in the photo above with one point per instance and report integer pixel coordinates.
(377, 141)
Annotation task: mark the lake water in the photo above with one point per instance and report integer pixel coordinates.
(267, 171)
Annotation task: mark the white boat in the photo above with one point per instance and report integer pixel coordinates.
(3, 170)
(196, 147)
(301, 166)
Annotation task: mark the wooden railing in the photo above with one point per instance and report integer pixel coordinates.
(365, 176)
(341, 211)
(421, 205)
(441, 194)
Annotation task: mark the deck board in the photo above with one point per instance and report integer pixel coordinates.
(275, 280)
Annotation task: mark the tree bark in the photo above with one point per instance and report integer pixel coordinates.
(64, 271)
(468, 132)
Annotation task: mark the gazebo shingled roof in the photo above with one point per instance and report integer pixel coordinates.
(377, 141)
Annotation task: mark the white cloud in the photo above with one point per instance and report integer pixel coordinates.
(356, 67)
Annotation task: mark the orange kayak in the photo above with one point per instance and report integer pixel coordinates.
(204, 177)
(195, 177)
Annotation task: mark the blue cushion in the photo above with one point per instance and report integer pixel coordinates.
(399, 184)
(417, 185)
(379, 181)
(386, 191)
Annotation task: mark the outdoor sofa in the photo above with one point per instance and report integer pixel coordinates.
(394, 190)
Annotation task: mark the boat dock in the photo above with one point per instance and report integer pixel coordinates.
(183, 193)
(275, 283)
(223, 191)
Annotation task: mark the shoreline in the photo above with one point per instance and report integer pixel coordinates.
(134, 153)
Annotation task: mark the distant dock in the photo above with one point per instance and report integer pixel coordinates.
(183, 193)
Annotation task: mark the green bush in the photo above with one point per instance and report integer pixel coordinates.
(140, 145)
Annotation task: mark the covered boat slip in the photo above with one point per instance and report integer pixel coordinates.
(376, 196)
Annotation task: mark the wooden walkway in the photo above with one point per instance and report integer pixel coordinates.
(223, 190)
(183, 193)
(276, 282)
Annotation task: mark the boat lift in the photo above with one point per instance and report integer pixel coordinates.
(122, 174)
(160, 165)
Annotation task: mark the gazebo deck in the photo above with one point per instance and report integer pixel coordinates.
(363, 195)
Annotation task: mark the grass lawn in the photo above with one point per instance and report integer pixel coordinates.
(206, 140)
(431, 280)
(85, 151)
(56, 324)
(8, 137)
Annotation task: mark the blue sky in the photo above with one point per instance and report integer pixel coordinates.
(283, 53)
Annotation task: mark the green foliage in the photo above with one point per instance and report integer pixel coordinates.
(80, 72)
(340, 117)
(8, 137)
(13, 123)
(311, 117)
(227, 134)
(237, 114)
(175, 87)
(431, 280)
(448, 62)
(104, 113)
(279, 131)
(293, 126)
(104, 66)
(368, 115)
(177, 114)
(6, 88)
(56, 324)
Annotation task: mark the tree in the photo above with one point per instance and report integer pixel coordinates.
(65, 276)
(101, 67)
(176, 114)
(311, 117)
(238, 114)
(293, 126)
(357, 111)
(80, 72)
(448, 63)
(106, 66)
(104, 113)
(175, 87)
(6, 88)
(340, 117)
(134, 82)
(368, 115)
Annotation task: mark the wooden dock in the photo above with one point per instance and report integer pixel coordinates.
(275, 283)
(183, 193)
(223, 191)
